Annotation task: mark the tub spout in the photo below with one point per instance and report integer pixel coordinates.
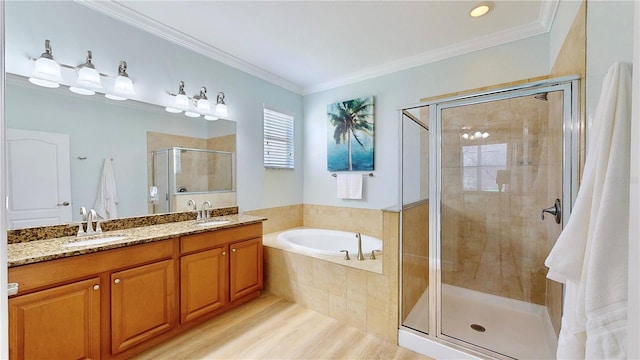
(360, 256)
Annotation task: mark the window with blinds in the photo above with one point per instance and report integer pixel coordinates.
(278, 139)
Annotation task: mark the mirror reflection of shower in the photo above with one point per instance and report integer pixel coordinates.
(184, 171)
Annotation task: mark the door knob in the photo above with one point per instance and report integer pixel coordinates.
(555, 210)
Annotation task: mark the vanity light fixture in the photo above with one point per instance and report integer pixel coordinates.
(201, 101)
(181, 101)
(481, 9)
(221, 107)
(46, 71)
(197, 105)
(88, 75)
(123, 86)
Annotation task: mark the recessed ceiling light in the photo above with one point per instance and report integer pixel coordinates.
(481, 9)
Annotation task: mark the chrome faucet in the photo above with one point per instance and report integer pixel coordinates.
(192, 204)
(83, 213)
(360, 256)
(90, 216)
(205, 213)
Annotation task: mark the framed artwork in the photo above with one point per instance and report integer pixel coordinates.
(350, 135)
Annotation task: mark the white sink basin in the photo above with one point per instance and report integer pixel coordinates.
(212, 222)
(97, 241)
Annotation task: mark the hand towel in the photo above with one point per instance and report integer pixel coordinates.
(349, 186)
(591, 255)
(107, 197)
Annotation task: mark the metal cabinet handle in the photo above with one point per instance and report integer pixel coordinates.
(96, 287)
(224, 253)
(233, 250)
(555, 210)
(117, 281)
(66, 203)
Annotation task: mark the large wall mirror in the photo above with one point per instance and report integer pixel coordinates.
(96, 130)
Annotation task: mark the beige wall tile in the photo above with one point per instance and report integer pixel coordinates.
(279, 218)
(378, 323)
(357, 314)
(337, 307)
(344, 293)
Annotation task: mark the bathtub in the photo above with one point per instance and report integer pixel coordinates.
(328, 242)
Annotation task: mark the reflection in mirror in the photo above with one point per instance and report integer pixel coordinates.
(99, 129)
(186, 171)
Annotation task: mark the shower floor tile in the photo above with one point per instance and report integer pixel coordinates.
(513, 328)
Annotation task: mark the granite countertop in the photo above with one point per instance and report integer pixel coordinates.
(49, 249)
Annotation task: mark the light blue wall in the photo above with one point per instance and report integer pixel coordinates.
(514, 61)
(610, 31)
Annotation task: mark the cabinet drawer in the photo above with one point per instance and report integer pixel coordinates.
(39, 275)
(216, 238)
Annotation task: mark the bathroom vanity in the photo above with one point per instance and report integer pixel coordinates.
(115, 299)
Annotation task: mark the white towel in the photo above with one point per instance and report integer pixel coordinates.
(349, 186)
(107, 197)
(591, 254)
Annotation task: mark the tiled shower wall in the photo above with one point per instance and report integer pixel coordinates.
(493, 240)
(206, 171)
(415, 253)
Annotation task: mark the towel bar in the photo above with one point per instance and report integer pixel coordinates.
(369, 175)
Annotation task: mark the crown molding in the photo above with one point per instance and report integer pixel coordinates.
(480, 43)
(122, 13)
(547, 14)
(136, 19)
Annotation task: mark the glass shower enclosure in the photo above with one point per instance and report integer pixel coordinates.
(180, 171)
(479, 174)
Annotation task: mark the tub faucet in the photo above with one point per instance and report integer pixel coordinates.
(360, 256)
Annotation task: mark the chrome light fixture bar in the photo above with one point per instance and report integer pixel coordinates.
(193, 107)
(47, 73)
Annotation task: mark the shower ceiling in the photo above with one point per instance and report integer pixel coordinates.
(309, 46)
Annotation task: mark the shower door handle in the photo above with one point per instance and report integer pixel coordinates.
(555, 210)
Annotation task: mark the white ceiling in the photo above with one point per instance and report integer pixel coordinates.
(309, 46)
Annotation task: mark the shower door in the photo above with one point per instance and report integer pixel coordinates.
(496, 161)
(500, 164)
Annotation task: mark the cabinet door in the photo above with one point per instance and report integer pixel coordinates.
(203, 283)
(142, 304)
(245, 268)
(58, 323)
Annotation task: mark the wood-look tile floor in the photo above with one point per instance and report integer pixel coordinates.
(271, 327)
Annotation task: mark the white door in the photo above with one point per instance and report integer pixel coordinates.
(38, 178)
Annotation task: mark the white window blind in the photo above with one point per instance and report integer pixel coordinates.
(278, 139)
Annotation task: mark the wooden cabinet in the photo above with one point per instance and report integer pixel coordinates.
(203, 283)
(245, 268)
(219, 268)
(62, 322)
(116, 303)
(142, 304)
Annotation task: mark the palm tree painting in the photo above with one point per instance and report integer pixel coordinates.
(350, 135)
